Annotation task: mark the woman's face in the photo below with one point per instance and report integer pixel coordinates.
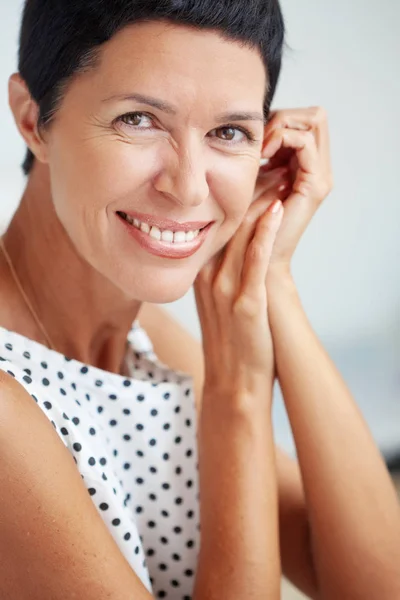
(168, 126)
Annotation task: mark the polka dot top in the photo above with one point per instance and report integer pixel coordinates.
(133, 440)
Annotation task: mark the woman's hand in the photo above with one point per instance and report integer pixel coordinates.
(231, 299)
(296, 140)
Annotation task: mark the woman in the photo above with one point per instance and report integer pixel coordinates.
(145, 124)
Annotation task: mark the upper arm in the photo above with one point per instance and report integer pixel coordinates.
(53, 542)
(185, 354)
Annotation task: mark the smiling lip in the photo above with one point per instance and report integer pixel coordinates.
(166, 249)
(167, 224)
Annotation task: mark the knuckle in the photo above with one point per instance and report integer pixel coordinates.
(319, 114)
(222, 287)
(246, 307)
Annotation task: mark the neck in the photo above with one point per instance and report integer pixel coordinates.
(85, 315)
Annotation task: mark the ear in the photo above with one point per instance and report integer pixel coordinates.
(26, 114)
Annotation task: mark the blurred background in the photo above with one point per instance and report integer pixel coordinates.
(344, 56)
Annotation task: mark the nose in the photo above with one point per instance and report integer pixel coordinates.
(183, 176)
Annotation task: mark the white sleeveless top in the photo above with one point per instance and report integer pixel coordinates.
(133, 440)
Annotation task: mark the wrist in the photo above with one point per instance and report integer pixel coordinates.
(280, 277)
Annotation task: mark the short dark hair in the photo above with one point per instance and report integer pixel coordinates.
(60, 38)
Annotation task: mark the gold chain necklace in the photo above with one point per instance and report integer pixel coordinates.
(24, 296)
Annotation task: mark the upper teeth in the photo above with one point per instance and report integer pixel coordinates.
(165, 236)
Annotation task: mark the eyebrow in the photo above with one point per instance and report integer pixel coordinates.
(169, 109)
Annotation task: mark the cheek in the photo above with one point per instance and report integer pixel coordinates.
(233, 189)
(93, 178)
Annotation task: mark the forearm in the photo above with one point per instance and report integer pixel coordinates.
(239, 556)
(352, 506)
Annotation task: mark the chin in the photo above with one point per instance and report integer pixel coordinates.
(162, 288)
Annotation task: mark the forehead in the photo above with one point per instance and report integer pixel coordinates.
(183, 63)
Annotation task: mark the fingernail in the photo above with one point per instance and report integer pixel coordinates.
(275, 207)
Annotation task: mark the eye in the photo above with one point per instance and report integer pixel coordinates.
(137, 120)
(230, 133)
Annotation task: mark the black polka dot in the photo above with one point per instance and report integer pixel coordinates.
(139, 480)
(178, 439)
(175, 583)
(103, 461)
(77, 447)
(47, 405)
(45, 382)
(92, 461)
(166, 456)
(113, 423)
(127, 383)
(104, 506)
(27, 379)
(112, 397)
(116, 522)
(140, 454)
(162, 594)
(178, 470)
(166, 486)
(177, 529)
(127, 466)
(190, 544)
(152, 442)
(152, 497)
(150, 552)
(76, 421)
(139, 509)
(98, 383)
(64, 431)
(167, 396)
(127, 536)
(84, 370)
(162, 567)
(100, 409)
(27, 355)
(140, 398)
(126, 411)
(166, 426)
(164, 540)
(92, 491)
(44, 365)
(127, 437)
(189, 573)
(92, 431)
(139, 427)
(154, 412)
(64, 393)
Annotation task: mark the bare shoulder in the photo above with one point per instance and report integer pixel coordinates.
(53, 542)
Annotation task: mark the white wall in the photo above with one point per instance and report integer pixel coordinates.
(344, 56)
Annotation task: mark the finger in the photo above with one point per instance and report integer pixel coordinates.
(312, 118)
(272, 183)
(230, 271)
(302, 142)
(259, 253)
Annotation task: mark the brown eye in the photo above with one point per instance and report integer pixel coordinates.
(137, 120)
(133, 119)
(227, 133)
